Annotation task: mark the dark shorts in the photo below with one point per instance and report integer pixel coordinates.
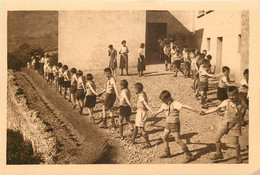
(90, 101)
(125, 111)
(167, 58)
(222, 94)
(173, 127)
(66, 84)
(203, 86)
(177, 64)
(80, 95)
(50, 76)
(186, 65)
(109, 101)
(60, 80)
(73, 89)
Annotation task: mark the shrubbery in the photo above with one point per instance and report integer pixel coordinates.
(20, 151)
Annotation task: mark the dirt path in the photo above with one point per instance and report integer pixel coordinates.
(197, 131)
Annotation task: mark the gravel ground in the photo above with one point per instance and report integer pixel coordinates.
(196, 130)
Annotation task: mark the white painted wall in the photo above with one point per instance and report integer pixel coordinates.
(226, 24)
(84, 36)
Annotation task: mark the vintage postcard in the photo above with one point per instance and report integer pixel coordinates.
(121, 87)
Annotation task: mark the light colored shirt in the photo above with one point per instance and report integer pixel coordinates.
(140, 51)
(167, 50)
(90, 83)
(223, 81)
(233, 112)
(67, 75)
(74, 80)
(80, 82)
(203, 74)
(123, 50)
(172, 111)
(243, 83)
(60, 72)
(140, 101)
(110, 83)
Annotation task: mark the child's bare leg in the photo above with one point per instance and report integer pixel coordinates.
(111, 113)
(91, 117)
(134, 135)
(237, 148)
(73, 101)
(202, 97)
(218, 154)
(146, 138)
(65, 93)
(183, 146)
(167, 153)
(121, 118)
(80, 106)
(104, 118)
(130, 123)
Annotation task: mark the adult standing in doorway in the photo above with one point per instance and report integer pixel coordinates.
(161, 45)
(123, 57)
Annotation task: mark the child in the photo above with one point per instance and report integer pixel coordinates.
(203, 80)
(209, 58)
(91, 94)
(187, 63)
(111, 94)
(123, 51)
(112, 54)
(193, 69)
(172, 109)
(167, 56)
(224, 82)
(176, 62)
(80, 93)
(73, 86)
(50, 74)
(125, 107)
(45, 66)
(55, 71)
(141, 60)
(231, 123)
(243, 91)
(60, 77)
(141, 114)
(66, 83)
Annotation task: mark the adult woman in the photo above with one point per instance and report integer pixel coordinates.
(123, 57)
(141, 60)
(112, 54)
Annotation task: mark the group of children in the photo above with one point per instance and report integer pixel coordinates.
(81, 91)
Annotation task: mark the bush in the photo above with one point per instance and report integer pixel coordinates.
(20, 151)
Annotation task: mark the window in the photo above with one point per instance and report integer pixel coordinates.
(208, 44)
(202, 13)
(239, 43)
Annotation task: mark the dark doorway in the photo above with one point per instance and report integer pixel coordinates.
(219, 54)
(153, 33)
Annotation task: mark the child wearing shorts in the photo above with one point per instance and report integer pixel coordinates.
(73, 86)
(124, 107)
(91, 94)
(50, 73)
(141, 115)
(66, 83)
(172, 111)
(60, 77)
(111, 94)
(80, 92)
(231, 124)
(243, 91)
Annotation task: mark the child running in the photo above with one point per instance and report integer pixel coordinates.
(172, 111)
(231, 123)
(80, 93)
(73, 86)
(141, 115)
(111, 94)
(91, 94)
(125, 107)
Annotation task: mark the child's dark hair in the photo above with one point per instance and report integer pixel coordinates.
(89, 76)
(73, 70)
(139, 86)
(59, 64)
(164, 95)
(209, 57)
(110, 46)
(225, 68)
(232, 89)
(124, 83)
(65, 67)
(79, 73)
(123, 42)
(107, 70)
(141, 45)
(246, 71)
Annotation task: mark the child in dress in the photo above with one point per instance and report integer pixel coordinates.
(73, 86)
(125, 107)
(66, 83)
(91, 94)
(80, 93)
(141, 60)
(111, 94)
(141, 114)
(112, 54)
(231, 123)
(172, 110)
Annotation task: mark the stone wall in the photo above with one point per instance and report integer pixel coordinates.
(21, 118)
(244, 50)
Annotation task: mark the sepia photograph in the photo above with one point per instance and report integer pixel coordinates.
(130, 86)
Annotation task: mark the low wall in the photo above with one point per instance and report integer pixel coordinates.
(21, 118)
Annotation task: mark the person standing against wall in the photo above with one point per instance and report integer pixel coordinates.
(141, 60)
(123, 57)
(112, 54)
